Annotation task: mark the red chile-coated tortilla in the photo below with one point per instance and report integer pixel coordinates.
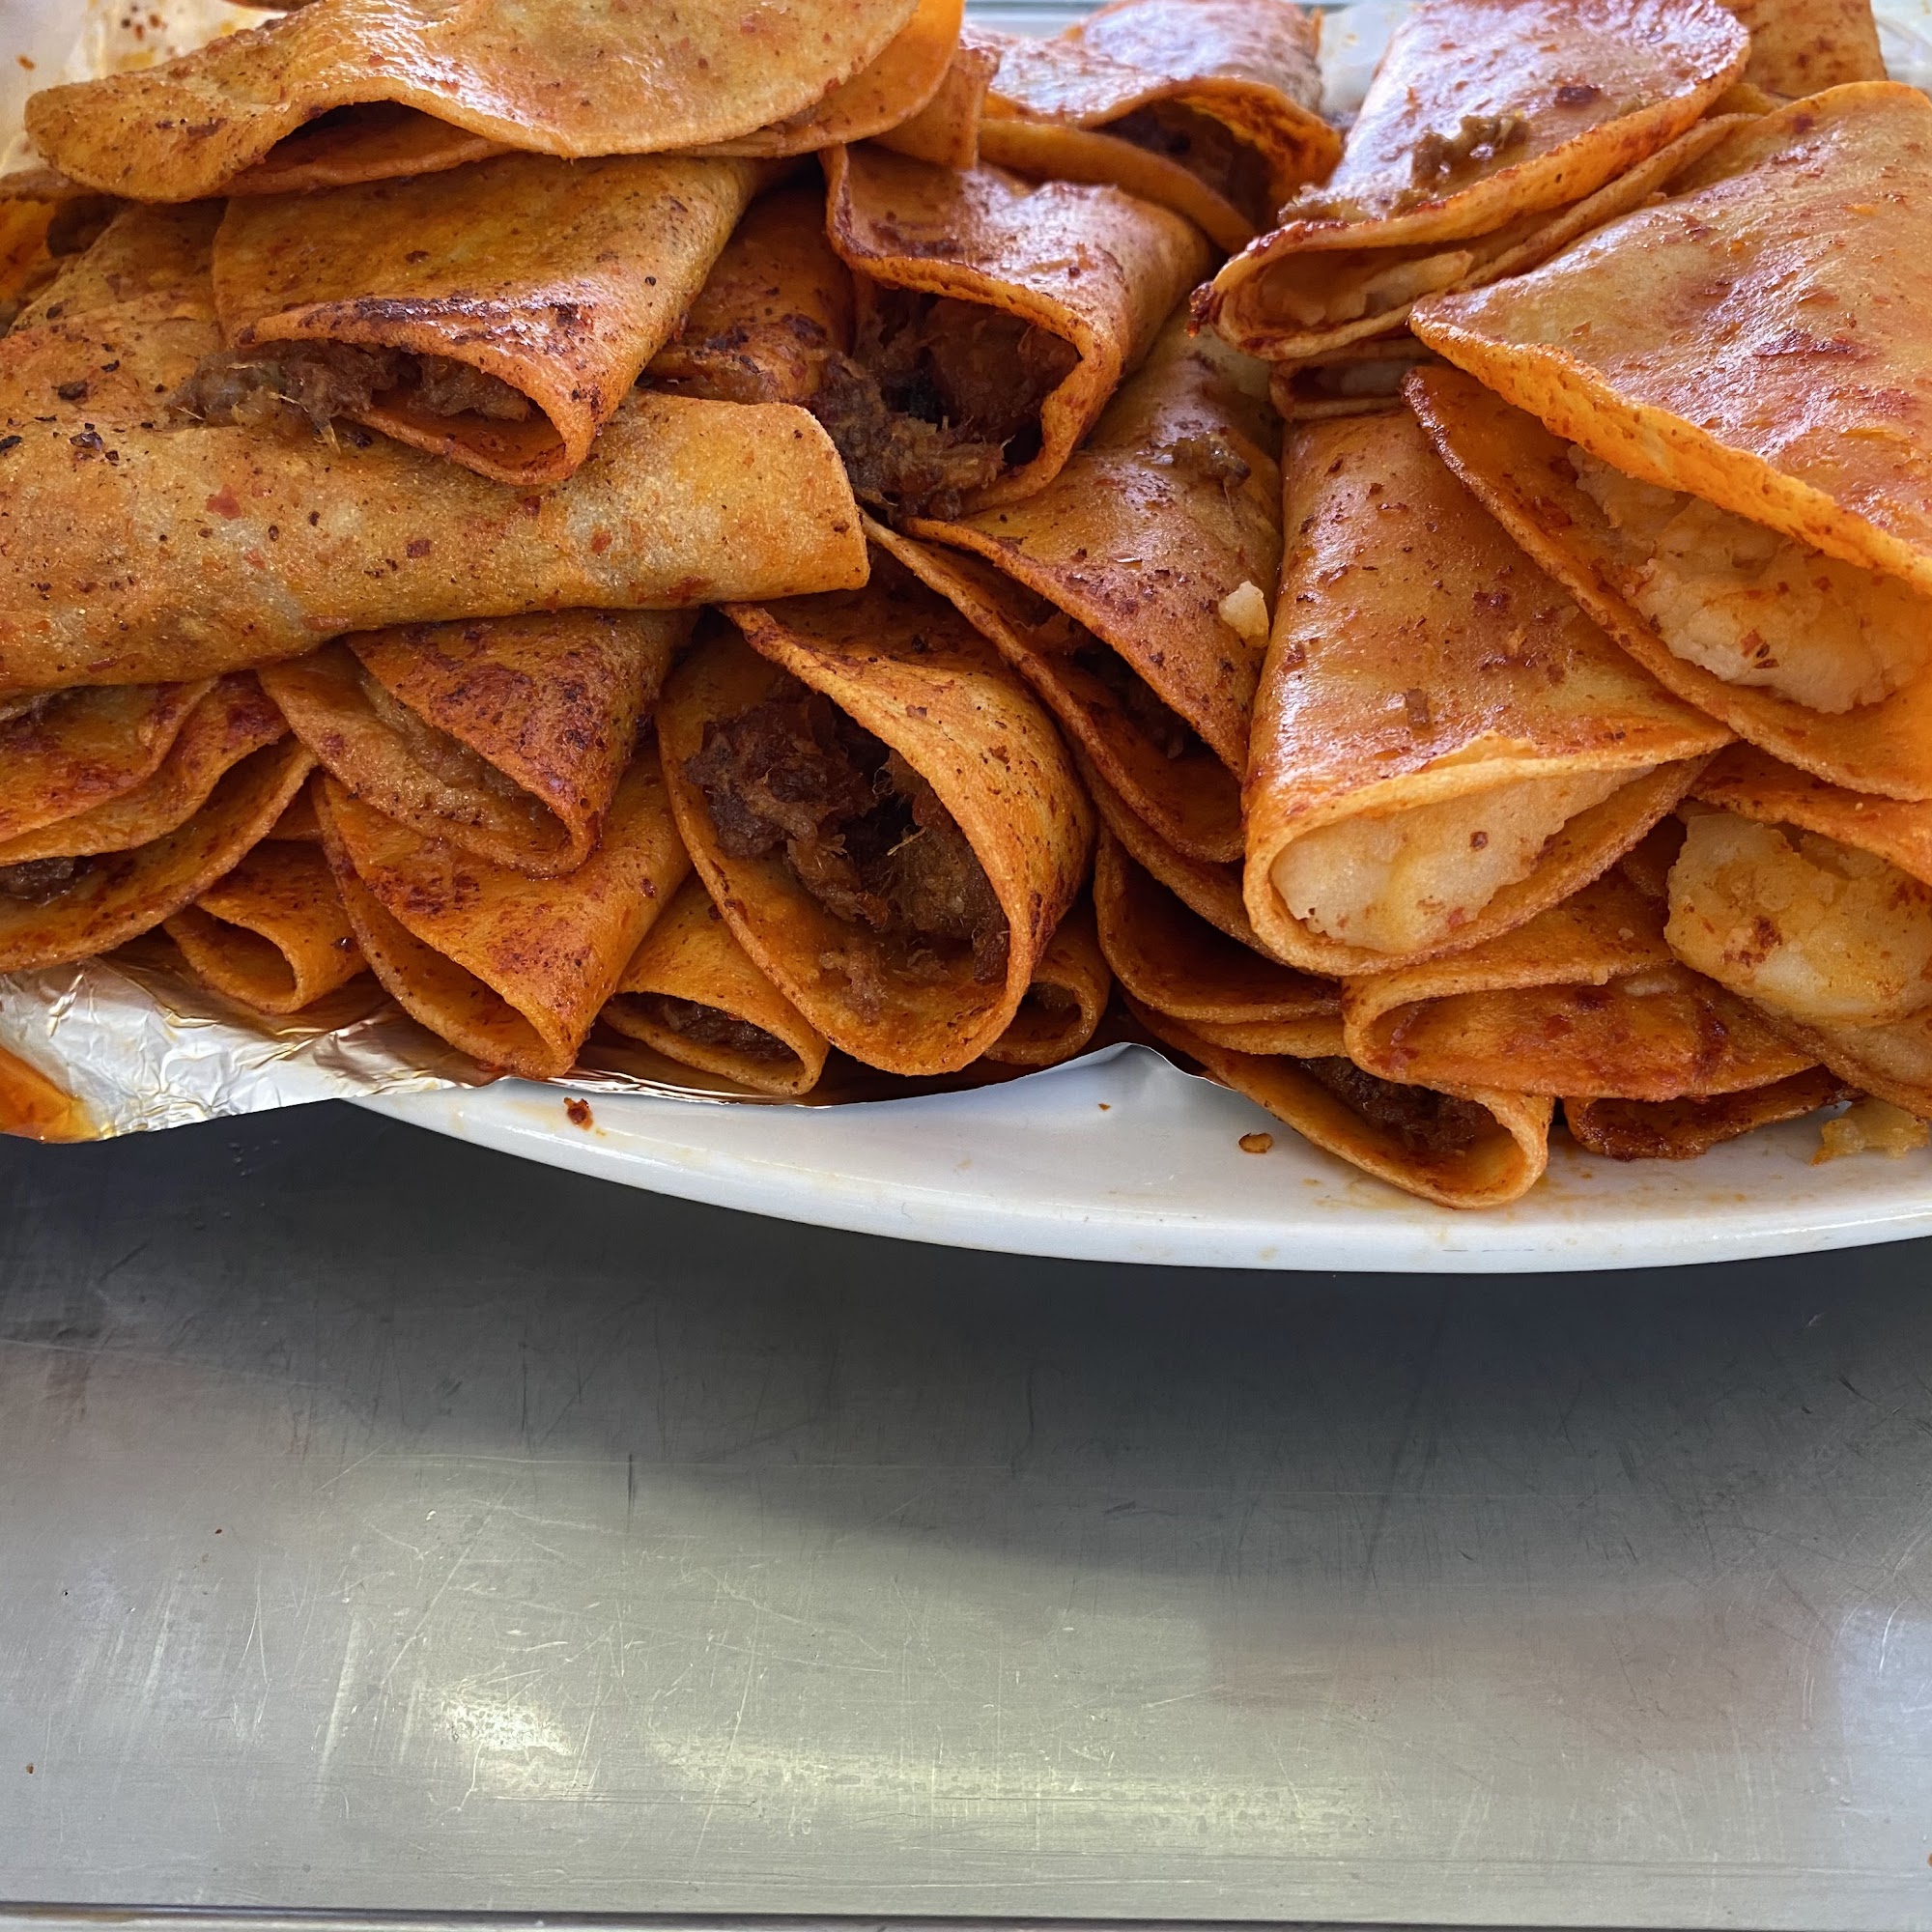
(1063, 1005)
(1524, 476)
(1683, 1129)
(776, 304)
(273, 545)
(946, 130)
(119, 895)
(510, 969)
(1208, 106)
(273, 934)
(1584, 1001)
(33, 1108)
(1418, 658)
(692, 993)
(1486, 118)
(561, 279)
(907, 669)
(506, 736)
(1167, 511)
(570, 77)
(1091, 266)
(1759, 340)
(1496, 1154)
(231, 719)
(1804, 46)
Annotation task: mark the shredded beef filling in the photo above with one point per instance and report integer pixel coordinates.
(1438, 159)
(38, 881)
(445, 760)
(710, 1026)
(862, 832)
(1422, 1120)
(325, 380)
(1208, 149)
(939, 398)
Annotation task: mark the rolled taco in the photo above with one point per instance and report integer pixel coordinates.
(1804, 46)
(1132, 591)
(510, 969)
(506, 736)
(1062, 1006)
(691, 993)
(273, 934)
(1815, 904)
(946, 130)
(1358, 380)
(882, 812)
(569, 77)
(995, 318)
(1685, 1130)
(776, 305)
(1476, 1150)
(1444, 745)
(1585, 1001)
(60, 908)
(1209, 107)
(497, 315)
(1821, 662)
(1494, 132)
(134, 555)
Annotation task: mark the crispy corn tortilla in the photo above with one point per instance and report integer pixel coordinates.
(1478, 1149)
(1757, 341)
(1492, 134)
(378, 140)
(1089, 266)
(776, 304)
(506, 736)
(1163, 530)
(1804, 46)
(559, 279)
(1208, 106)
(1524, 476)
(1358, 380)
(510, 969)
(1585, 1001)
(272, 934)
(231, 719)
(119, 895)
(1683, 1129)
(691, 992)
(273, 545)
(946, 130)
(1468, 748)
(1062, 1006)
(565, 77)
(905, 667)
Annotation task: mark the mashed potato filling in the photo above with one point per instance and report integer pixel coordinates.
(1408, 880)
(1800, 924)
(1755, 608)
(1322, 287)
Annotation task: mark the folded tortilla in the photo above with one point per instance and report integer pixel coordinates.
(691, 992)
(345, 147)
(231, 719)
(1726, 605)
(506, 736)
(497, 315)
(1172, 961)
(1494, 132)
(510, 969)
(1476, 1150)
(56, 909)
(273, 934)
(1209, 107)
(1787, 384)
(883, 813)
(570, 77)
(139, 555)
(776, 305)
(1132, 591)
(1063, 1005)
(1444, 745)
(1804, 46)
(995, 318)
(946, 130)
(1358, 380)
(1585, 1001)
(1683, 1129)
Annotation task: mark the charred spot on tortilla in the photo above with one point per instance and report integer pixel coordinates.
(861, 832)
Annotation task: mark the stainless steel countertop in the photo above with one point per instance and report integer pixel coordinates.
(388, 1525)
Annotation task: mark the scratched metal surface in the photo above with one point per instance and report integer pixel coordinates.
(388, 1525)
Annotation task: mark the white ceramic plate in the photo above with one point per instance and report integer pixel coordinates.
(1123, 1158)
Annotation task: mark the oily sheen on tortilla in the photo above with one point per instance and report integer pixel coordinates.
(1064, 1002)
